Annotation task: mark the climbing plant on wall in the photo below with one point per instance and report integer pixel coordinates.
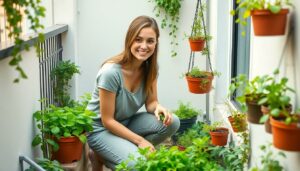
(34, 12)
(169, 11)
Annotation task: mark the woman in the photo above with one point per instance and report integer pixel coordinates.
(124, 84)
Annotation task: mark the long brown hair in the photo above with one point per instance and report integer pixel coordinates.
(150, 66)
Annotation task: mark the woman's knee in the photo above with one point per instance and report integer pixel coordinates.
(175, 123)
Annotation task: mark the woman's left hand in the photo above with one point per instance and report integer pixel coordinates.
(160, 110)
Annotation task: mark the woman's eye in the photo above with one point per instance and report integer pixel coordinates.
(138, 40)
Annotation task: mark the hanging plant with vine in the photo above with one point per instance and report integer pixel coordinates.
(34, 12)
(169, 10)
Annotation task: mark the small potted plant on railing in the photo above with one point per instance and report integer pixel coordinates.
(197, 38)
(199, 82)
(269, 18)
(237, 119)
(63, 130)
(47, 164)
(218, 134)
(248, 93)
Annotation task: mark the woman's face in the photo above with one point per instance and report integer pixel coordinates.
(144, 44)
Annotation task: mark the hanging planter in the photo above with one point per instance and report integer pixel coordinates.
(70, 150)
(197, 44)
(238, 123)
(219, 136)
(199, 82)
(286, 137)
(266, 23)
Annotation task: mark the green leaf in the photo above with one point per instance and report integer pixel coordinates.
(264, 118)
(82, 138)
(36, 140)
(275, 9)
(53, 143)
(55, 130)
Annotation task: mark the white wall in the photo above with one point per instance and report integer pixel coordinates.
(102, 26)
(17, 103)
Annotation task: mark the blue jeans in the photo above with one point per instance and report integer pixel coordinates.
(114, 149)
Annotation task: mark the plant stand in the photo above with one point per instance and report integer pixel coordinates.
(208, 62)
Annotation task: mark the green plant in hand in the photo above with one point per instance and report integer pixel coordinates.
(62, 122)
(47, 165)
(61, 75)
(245, 7)
(186, 111)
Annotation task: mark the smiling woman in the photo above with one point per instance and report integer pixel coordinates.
(124, 84)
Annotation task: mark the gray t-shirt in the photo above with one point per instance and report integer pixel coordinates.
(127, 103)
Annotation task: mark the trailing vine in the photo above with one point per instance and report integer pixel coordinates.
(34, 12)
(169, 10)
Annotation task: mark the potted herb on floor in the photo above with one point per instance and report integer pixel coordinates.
(199, 82)
(269, 18)
(218, 134)
(64, 131)
(187, 115)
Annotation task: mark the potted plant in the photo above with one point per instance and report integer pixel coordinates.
(199, 82)
(218, 134)
(47, 164)
(63, 130)
(269, 18)
(237, 119)
(248, 93)
(60, 76)
(197, 38)
(187, 115)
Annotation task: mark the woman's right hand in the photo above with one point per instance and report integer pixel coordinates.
(144, 144)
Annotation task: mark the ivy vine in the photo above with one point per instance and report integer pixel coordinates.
(34, 12)
(169, 10)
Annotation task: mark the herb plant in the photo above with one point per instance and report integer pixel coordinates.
(34, 12)
(47, 165)
(186, 111)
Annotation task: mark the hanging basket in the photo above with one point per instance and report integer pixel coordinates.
(70, 150)
(197, 45)
(285, 137)
(266, 23)
(200, 85)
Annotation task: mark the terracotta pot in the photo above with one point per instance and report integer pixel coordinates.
(265, 23)
(197, 45)
(254, 112)
(70, 150)
(200, 85)
(239, 126)
(219, 136)
(285, 137)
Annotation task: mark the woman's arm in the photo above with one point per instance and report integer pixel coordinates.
(153, 106)
(107, 110)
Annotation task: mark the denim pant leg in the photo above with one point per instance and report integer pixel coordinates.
(113, 149)
(146, 125)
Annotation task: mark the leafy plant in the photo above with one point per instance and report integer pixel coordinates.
(186, 111)
(56, 122)
(239, 118)
(61, 75)
(277, 99)
(34, 12)
(249, 91)
(245, 7)
(197, 73)
(212, 127)
(268, 160)
(47, 165)
(170, 11)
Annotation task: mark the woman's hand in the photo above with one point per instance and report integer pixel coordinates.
(144, 144)
(160, 110)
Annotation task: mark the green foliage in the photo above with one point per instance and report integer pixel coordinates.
(239, 118)
(197, 73)
(61, 75)
(170, 11)
(277, 99)
(47, 165)
(186, 111)
(249, 91)
(62, 122)
(245, 7)
(213, 126)
(269, 159)
(34, 12)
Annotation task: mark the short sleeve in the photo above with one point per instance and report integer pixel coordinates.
(108, 78)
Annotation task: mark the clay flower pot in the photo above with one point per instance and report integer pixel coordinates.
(70, 150)
(239, 125)
(197, 45)
(254, 112)
(266, 23)
(285, 137)
(219, 136)
(200, 85)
